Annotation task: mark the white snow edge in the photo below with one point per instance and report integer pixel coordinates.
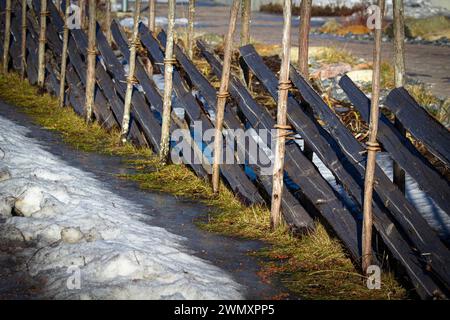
(76, 221)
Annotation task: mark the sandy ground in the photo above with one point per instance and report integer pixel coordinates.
(429, 64)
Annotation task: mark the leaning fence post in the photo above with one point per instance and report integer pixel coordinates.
(372, 144)
(246, 7)
(190, 31)
(62, 80)
(82, 5)
(7, 39)
(283, 90)
(23, 44)
(131, 80)
(168, 85)
(108, 22)
(222, 95)
(91, 57)
(151, 15)
(58, 5)
(42, 43)
(399, 76)
(303, 38)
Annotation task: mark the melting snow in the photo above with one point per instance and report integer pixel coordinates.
(76, 222)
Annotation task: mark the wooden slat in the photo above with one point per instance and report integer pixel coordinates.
(234, 174)
(411, 221)
(350, 174)
(401, 149)
(420, 124)
(295, 215)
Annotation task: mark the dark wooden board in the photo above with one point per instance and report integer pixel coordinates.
(420, 124)
(404, 214)
(401, 149)
(295, 215)
(353, 162)
(234, 174)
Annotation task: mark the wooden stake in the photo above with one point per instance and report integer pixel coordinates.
(223, 94)
(168, 85)
(245, 21)
(62, 80)
(399, 75)
(42, 43)
(108, 22)
(7, 39)
(190, 31)
(303, 37)
(283, 91)
(82, 5)
(23, 42)
(246, 7)
(151, 15)
(131, 80)
(91, 57)
(372, 148)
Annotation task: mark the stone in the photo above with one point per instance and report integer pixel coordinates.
(4, 174)
(360, 75)
(328, 71)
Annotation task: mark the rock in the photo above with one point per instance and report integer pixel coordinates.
(29, 202)
(71, 235)
(331, 70)
(360, 75)
(4, 174)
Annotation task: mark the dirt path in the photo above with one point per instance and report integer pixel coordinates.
(429, 64)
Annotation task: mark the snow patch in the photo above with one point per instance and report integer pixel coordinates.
(81, 228)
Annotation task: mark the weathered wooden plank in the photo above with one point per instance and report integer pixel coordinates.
(234, 174)
(16, 24)
(301, 171)
(147, 84)
(295, 215)
(420, 124)
(386, 193)
(402, 150)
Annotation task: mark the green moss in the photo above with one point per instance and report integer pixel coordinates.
(313, 267)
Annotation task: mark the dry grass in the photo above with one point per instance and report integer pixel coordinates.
(313, 267)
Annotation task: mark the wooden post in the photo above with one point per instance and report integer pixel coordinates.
(42, 43)
(372, 147)
(303, 38)
(246, 7)
(245, 21)
(190, 31)
(23, 44)
(82, 5)
(131, 80)
(7, 39)
(151, 15)
(91, 57)
(223, 94)
(399, 76)
(283, 91)
(168, 85)
(108, 22)
(62, 80)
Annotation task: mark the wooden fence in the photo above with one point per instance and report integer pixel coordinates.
(403, 232)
